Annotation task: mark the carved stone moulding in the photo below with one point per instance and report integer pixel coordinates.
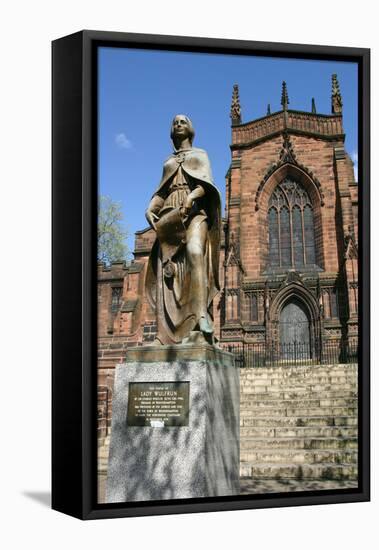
(287, 156)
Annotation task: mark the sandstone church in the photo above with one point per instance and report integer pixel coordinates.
(288, 306)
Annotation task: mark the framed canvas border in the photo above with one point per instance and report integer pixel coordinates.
(74, 340)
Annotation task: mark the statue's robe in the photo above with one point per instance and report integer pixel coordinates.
(176, 315)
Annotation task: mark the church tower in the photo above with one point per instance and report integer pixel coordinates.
(290, 267)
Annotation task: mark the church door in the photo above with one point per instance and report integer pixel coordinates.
(294, 331)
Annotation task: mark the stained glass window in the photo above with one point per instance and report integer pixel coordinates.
(297, 229)
(285, 237)
(273, 237)
(309, 235)
(291, 226)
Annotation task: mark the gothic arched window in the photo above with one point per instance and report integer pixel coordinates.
(291, 226)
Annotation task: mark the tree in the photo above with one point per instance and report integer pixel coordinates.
(111, 233)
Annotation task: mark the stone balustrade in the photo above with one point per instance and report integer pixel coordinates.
(323, 125)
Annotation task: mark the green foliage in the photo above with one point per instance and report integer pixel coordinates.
(111, 232)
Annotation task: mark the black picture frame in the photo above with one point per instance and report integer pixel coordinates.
(74, 151)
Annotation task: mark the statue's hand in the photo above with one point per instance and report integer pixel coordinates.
(188, 203)
(151, 218)
(185, 209)
(184, 212)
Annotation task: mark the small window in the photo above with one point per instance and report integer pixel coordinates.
(253, 303)
(116, 298)
(333, 303)
(232, 304)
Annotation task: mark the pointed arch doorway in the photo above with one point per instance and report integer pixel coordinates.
(294, 330)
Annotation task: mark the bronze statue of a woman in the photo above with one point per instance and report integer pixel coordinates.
(185, 212)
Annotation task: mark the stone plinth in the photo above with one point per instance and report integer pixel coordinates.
(200, 459)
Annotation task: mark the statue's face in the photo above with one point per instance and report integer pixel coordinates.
(180, 127)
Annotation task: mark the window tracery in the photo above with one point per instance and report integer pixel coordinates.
(291, 226)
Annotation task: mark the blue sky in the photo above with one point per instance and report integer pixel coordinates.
(140, 91)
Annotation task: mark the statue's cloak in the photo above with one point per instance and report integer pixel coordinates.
(195, 164)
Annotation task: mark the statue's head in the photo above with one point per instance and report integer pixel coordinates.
(181, 128)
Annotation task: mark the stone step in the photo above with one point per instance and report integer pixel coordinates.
(306, 443)
(246, 404)
(308, 431)
(107, 363)
(303, 394)
(102, 466)
(348, 367)
(298, 411)
(293, 370)
(102, 456)
(299, 421)
(249, 486)
(103, 451)
(288, 374)
(252, 389)
(112, 353)
(290, 456)
(288, 384)
(305, 471)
